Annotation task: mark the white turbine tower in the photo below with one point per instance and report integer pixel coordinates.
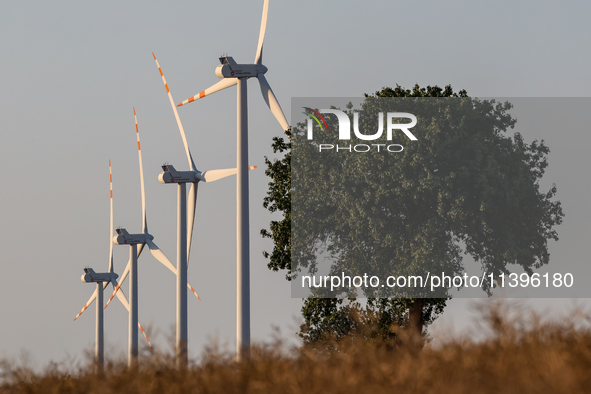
(185, 221)
(136, 243)
(102, 280)
(231, 74)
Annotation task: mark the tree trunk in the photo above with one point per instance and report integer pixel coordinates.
(415, 320)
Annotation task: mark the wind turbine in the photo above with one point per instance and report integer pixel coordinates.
(136, 243)
(102, 280)
(231, 74)
(185, 221)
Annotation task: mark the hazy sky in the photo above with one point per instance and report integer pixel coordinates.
(73, 71)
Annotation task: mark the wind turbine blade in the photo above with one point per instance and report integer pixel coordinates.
(223, 84)
(207, 176)
(118, 286)
(123, 299)
(140, 247)
(111, 225)
(272, 102)
(139, 150)
(164, 260)
(193, 290)
(90, 300)
(120, 295)
(116, 290)
(160, 256)
(259, 56)
(191, 201)
(214, 175)
(178, 120)
(145, 336)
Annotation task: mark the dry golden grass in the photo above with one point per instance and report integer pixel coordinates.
(520, 355)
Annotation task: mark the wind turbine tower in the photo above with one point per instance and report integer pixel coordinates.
(185, 221)
(231, 73)
(102, 280)
(132, 240)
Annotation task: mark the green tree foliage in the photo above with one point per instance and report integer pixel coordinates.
(279, 199)
(465, 188)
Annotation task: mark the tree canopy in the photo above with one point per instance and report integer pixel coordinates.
(464, 187)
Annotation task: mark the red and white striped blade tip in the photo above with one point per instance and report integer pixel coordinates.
(79, 313)
(221, 85)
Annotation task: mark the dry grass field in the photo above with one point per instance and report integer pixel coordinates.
(521, 354)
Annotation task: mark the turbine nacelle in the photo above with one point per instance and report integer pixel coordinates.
(125, 238)
(92, 277)
(231, 72)
(171, 175)
(230, 69)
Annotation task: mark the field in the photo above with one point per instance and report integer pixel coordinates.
(521, 353)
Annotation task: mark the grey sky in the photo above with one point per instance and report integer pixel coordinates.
(73, 71)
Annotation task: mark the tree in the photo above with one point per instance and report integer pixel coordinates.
(466, 188)
(279, 199)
